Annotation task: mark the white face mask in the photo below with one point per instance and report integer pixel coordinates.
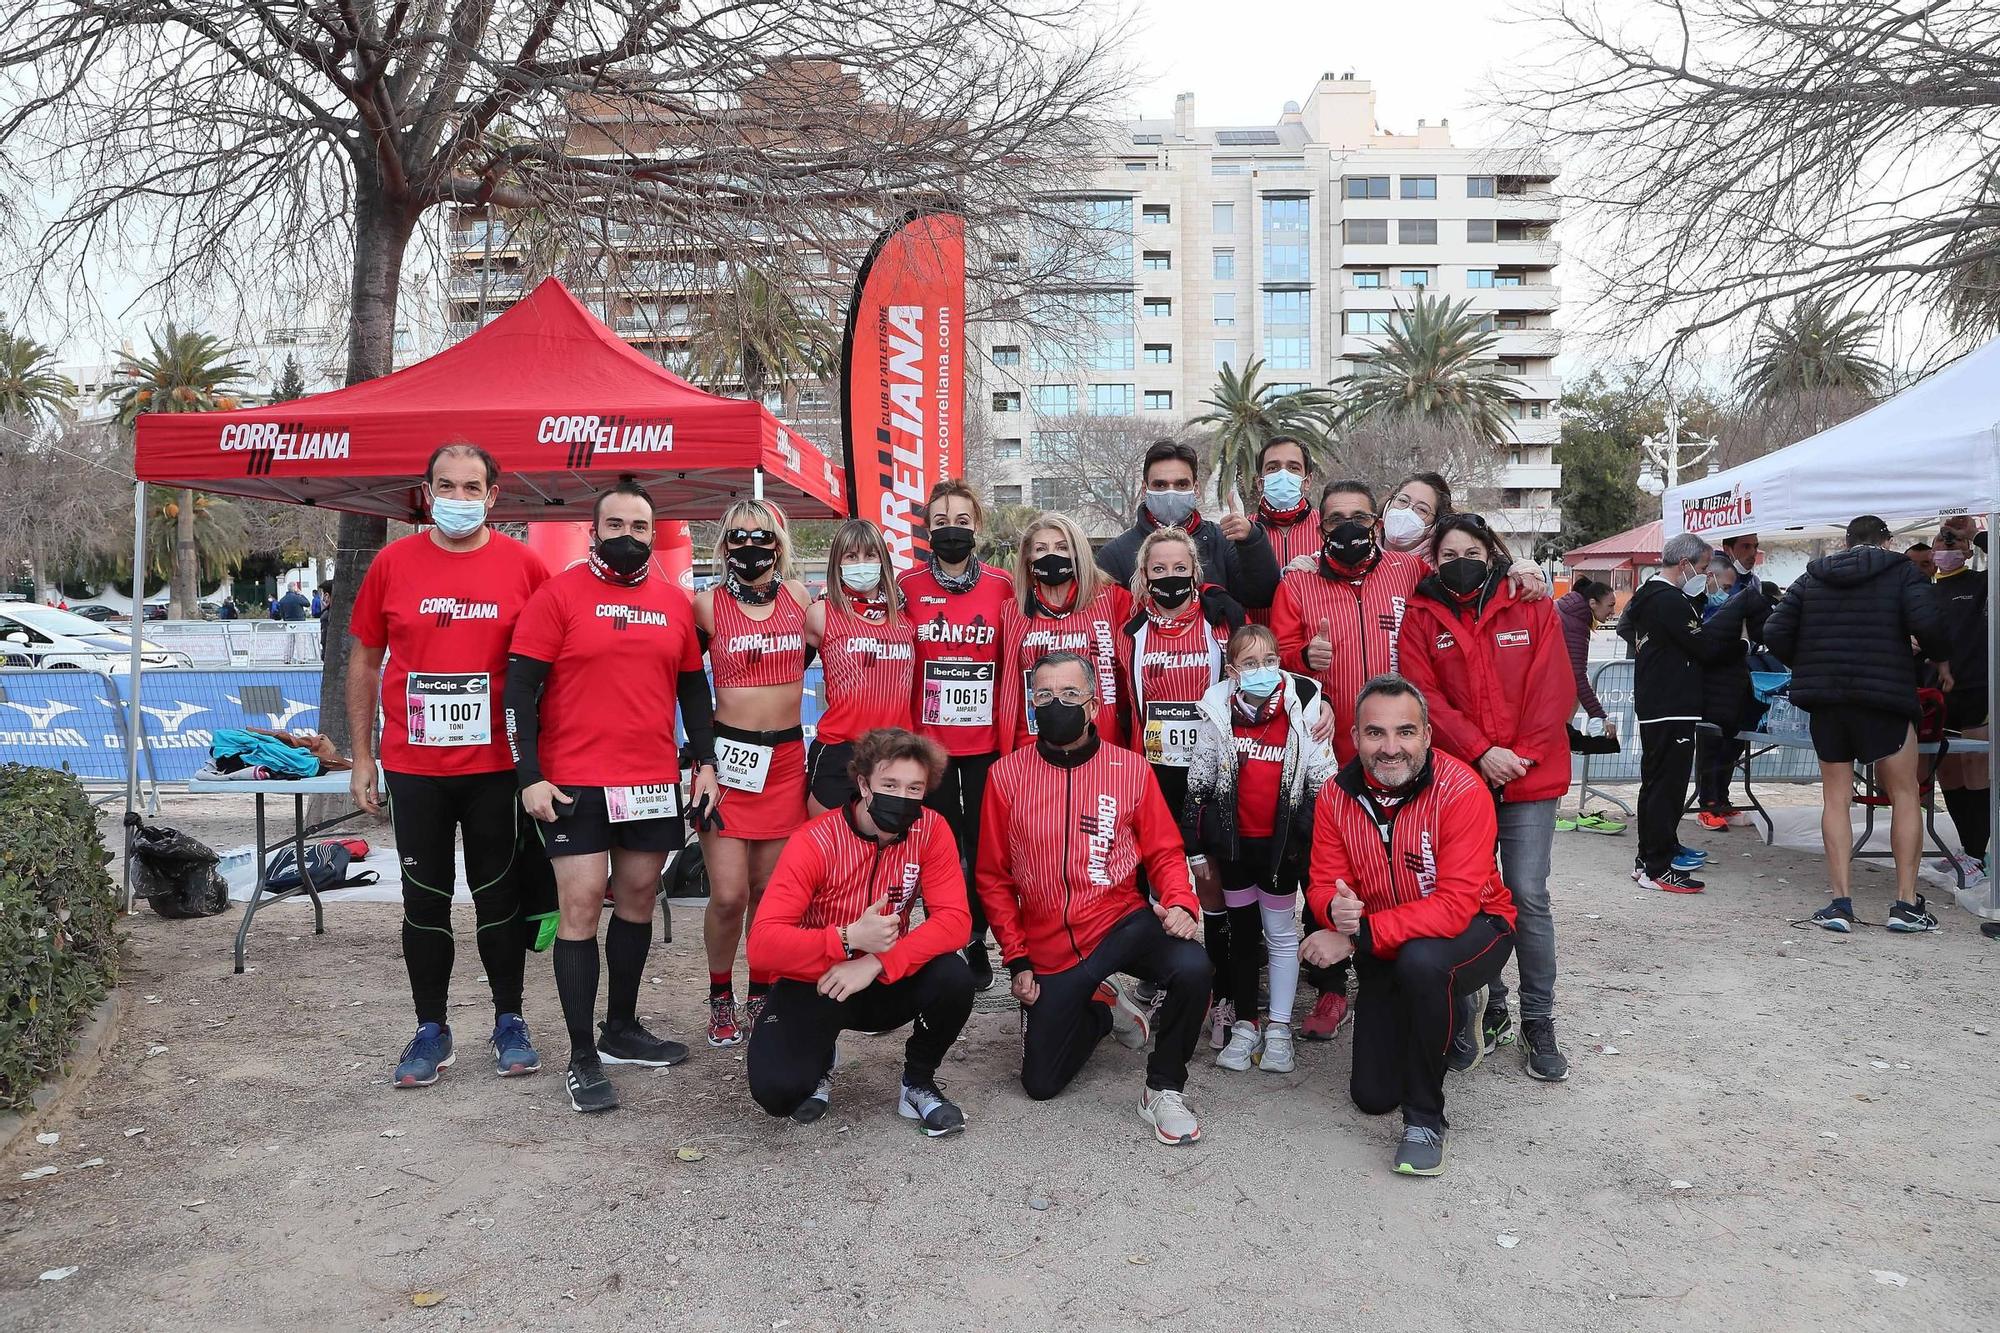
(1403, 529)
(1741, 568)
(1695, 585)
(862, 576)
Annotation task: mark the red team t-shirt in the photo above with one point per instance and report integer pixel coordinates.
(1260, 767)
(957, 675)
(868, 669)
(608, 710)
(446, 618)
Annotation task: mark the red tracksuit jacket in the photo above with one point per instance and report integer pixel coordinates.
(1422, 870)
(1497, 675)
(827, 876)
(1362, 616)
(1092, 631)
(1060, 847)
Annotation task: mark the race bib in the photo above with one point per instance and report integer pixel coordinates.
(741, 766)
(1170, 733)
(655, 801)
(450, 709)
(958, 694)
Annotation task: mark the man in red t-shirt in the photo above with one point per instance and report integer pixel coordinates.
(604, 657)
(441, 606)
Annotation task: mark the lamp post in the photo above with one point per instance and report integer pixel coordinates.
(1661, 471)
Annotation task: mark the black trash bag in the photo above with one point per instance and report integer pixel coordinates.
(176, 873)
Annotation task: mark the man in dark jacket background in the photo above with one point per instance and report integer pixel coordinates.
(1728, 704)
(1844, 629)
(1234, 551)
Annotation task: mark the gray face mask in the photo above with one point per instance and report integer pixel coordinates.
(1170, 508)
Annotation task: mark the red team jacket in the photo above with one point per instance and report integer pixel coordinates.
(1363, 615)
(1292, 535)
(1422, 868)
(829, 874)
(1092, 631)
(1060, 848)
(1498, 676)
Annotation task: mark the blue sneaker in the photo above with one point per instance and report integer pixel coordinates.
(428, 1052)
(1697, 853)
(1689, 860)
(513, 1052)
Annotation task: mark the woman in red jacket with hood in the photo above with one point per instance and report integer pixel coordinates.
(1496, 674)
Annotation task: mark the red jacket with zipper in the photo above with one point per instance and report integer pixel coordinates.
(1495, 672)
(1060, 844)
(1362, 615)
(829, 874)
(1423, 868)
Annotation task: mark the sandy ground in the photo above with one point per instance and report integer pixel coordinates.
(1796, 1131)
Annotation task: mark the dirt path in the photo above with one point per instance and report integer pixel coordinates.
(279, 1182)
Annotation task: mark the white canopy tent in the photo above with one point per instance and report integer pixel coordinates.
(1932, 450)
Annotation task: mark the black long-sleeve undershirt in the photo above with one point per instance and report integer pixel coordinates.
(522, 702)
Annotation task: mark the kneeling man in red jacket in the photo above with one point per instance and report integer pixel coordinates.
(1402, 869)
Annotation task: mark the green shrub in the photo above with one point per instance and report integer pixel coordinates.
(58, 951)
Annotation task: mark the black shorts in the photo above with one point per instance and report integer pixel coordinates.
(584, 827)
(826, 773)
(1964, 710)
(1847, 734)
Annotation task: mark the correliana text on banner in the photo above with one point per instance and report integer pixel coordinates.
(902, 390)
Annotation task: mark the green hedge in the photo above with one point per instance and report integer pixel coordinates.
(58, 952)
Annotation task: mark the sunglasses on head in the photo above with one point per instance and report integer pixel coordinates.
(751, 537)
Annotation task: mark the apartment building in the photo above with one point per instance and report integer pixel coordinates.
(1293, 243)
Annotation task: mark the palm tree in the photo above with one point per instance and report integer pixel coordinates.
(757, 334)
(1811, 350)
(1434, 367)
(1245, 414)
(185, 371)
(30, 388)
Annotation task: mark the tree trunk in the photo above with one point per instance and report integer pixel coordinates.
(186, 587)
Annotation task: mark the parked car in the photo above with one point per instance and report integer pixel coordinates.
(41, 636)
(98, 611)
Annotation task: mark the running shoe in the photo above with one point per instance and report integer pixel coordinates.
(1565, 823)
(1593, 823)
(753, 1009)
(722, 1029)
(926, 1104)
(1736, 817)
(1276, 1057)
(1837, 916)
(627, 1042)
(1673, 881)
(1167, 1112)
(1129, 1023)
(1421, 1152)
(1911, 918)
(981, 963)
(1545, 1059)
(1467, 1048)
(1221, 1018)
(1710, 819)
(1689, 862)
(1241, 1049)
(589, 1090)
(813, 1107)
(513, 1052)
(428, 1052)
(1325, 1019)
(1695, 854)
(1496, 1028)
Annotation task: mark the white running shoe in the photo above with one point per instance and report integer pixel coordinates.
(1221, 1018)
(1129, 1023)
(1167, 1112)
(1242, 1047)
(1276, 1057)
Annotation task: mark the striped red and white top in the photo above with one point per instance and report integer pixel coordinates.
(869, 668)
(1292, 535)
(957, 675)
(828, 875)
(743, 651)
(1363, 617)
(1174, 663)
(1092, 631)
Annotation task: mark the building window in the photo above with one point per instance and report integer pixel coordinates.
(1225, 265)
(1113, 400)
(1288, 330)
(1478, 187)
(1007, 356)
(1479, 277)
(1222, 218)
(1159, 354)
(1051, 445)
(1367, 280)
(1367, 187)
(1006, 402)
(1365, 231)
(1506, 280)
(1225, 310)
(1053, 493)
(1510, 322)
(1225, 352)
(1007, 448)
(1158, 261)
(1007, 495)
(1158, 307)
(1159, 400)
(1227, 168)
(1414, 277)
(1417, 231)
(1055, 400)
(1158, 215)
(1138, 166)
(1274, 391)
(1479, 229)
(1484, 324)
(1364, 321)
(1420, 187)
(1535, 411)
(1006, 258)
(1287, 240)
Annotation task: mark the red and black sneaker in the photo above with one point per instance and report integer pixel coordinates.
(1673, 881)
(722, 1026)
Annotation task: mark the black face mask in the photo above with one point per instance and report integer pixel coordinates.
(952, 545)
(894, 815)
(1059, 723)
(1463, 576)
(1171, 591)
(750, 562)
(1053, 569)
(624, 555)
(1350, 543)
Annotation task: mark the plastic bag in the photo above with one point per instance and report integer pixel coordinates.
(176, 873)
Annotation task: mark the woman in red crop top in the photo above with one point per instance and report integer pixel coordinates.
(1065, 603)
(867, 648)
(753, 625)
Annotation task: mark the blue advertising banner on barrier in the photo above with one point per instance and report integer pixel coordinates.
(63, 719)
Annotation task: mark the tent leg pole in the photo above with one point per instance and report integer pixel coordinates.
(132, 713)
(756, 483)
(1992, 689)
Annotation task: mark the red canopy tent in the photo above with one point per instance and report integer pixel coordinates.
(1634, 548)
(563, 404)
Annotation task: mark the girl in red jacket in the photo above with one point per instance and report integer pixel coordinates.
(1496, 674)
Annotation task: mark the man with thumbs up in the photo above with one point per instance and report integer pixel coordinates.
(1235, 552)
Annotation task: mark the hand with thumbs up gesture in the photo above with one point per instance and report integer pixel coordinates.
(1319, 651)
(875, 929)
(1343, 913)
(1235, 524)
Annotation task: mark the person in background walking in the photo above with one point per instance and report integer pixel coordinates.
(1845, 629)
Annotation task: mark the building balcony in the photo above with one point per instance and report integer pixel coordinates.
(1531, 476)
(484, 236)
(648, 326)
(1528, 206)
(1535, 298)
(1532, 254)
(1538, 388)
(459, 329)
(1527, 342)
(472, 286)
(1531, 430)
(1540, 520)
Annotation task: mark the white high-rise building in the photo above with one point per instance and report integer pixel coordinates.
(1292, 243)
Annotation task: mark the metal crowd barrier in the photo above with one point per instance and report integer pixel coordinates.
(1613, 683)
